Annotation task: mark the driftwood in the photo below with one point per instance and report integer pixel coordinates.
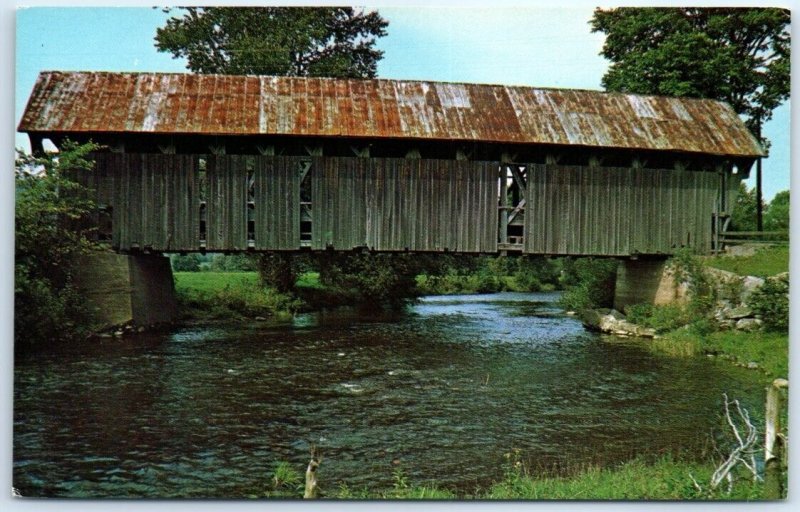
(312, 491)
(743, 453)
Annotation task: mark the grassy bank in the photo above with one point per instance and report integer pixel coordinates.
(229, 295)
(764, 263)
(768, 350)
(663, 479)
(689, 330)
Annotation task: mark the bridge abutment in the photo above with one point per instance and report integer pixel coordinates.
(647, 281)
(128, 289)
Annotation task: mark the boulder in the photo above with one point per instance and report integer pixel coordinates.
(749, 285)
(611, 321)
(748, 324)
(738, 313)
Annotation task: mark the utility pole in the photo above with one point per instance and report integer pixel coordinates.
(759, 203)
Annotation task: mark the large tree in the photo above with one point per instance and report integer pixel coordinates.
(292, 41)
(736, 55)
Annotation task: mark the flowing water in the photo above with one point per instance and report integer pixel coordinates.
(440, 392)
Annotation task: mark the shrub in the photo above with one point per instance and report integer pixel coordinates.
(589, 281)
(702, 292)
(185, 263)
(771, 303)
(662, 318)
(51, 234)
(378, 279)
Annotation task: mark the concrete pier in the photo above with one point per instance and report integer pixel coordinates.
(121, 289)
(648, 281)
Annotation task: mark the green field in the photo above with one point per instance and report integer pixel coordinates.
(211, 282)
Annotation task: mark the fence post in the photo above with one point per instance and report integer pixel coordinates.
(312, 492)
(774, 448)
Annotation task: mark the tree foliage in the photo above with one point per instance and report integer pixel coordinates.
(589, 283)
(743, 216)
(290, 41)
(776, 218)
(379, 279)
(50, 235)
(736, 55)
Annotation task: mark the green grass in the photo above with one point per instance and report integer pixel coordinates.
(309, 280)
(664, 479)
(769, 350)
(764, 263)
(209, 282)
(229, 295)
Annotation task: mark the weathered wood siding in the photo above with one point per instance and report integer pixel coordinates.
(618, 211)
(101, 179)
(339, 202)
(153, 199)
(391, 204)
(276, 182)
(226, 202)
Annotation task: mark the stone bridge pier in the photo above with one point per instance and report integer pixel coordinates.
(128, 289)
(645, 280)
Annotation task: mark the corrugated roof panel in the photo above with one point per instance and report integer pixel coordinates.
(68, 102)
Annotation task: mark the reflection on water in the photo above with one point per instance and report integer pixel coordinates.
(440, 391)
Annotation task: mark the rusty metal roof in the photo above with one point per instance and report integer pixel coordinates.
(84, 102)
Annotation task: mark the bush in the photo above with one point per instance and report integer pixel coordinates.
(377, 278)
(234, 263)
(702, 293)
(771, 303)
(51, 234)
(662, 318)
(590, 283)
(185, 263)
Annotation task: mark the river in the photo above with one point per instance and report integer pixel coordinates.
(439, 392)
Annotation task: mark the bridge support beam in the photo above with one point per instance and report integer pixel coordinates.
(128, 289)
(645, 281)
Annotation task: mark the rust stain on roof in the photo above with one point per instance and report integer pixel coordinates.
(87, 102)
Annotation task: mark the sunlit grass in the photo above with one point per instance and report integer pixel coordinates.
(309, 280)
(666, 479)
(207, 282)
(769, 350)
(764, 263)
(226, 295)
(663, 479)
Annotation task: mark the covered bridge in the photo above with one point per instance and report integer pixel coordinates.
(261, 163)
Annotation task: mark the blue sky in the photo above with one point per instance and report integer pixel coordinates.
(503, 45)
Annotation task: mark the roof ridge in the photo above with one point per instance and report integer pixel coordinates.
(394, 80)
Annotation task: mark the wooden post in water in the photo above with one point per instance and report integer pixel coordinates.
(774, 449)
